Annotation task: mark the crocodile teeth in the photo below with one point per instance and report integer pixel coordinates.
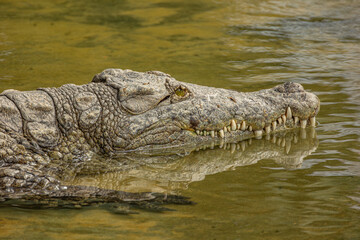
(303, 123)
(221, 133)
(212, 133)
(197, 132)
(279, 120)
(233, 125)
(274, 125)
(283, 142)
(312, 121)
(283, 118)
(232, 148)
(258, 133)
(225, 129)
(243, 126)
(288, 113)
(296, 120)
(288, 147)
(312, 133)
(238, 126)
(229, 128)
(302, 133)
(267, 129)
(250, 128)
(243, 145)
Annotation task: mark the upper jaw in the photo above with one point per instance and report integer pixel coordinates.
(235, 114)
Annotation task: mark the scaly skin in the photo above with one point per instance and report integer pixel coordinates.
(122, 110)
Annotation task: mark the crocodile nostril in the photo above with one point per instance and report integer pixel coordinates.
(289, 87)
(232, 99)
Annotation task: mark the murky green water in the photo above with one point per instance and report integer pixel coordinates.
(256, 190)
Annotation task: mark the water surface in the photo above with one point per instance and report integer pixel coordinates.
(242, 45)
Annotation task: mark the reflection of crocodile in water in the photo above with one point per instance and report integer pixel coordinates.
(170, 171)
(121, 111)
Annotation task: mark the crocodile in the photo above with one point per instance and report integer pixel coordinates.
(44, 130)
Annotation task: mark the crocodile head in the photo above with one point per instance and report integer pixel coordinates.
(162, 112)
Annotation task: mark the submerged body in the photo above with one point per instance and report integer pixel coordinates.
(122, 111)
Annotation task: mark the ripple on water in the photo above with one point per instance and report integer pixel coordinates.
(240, 44)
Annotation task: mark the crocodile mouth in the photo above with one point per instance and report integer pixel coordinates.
(224, 114)
(172, 134)
(238, 127)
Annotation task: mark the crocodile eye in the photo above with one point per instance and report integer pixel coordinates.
(181, 91)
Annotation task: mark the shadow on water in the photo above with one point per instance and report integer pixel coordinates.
(169, 171)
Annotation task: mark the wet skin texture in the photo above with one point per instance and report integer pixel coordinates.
(122, 111)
